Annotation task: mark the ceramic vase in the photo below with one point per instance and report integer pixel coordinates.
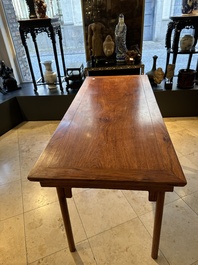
(186, 42)
(150, 74)
(186, 78)
(32, 12)
(50, 76)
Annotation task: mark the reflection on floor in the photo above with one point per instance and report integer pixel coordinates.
(110, 226)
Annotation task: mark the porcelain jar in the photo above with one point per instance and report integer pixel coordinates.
(186, 78)
(50, 76)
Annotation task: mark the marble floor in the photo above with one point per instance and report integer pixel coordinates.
(111, 227)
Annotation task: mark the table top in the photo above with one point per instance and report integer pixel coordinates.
(39, 22)
(112, 136)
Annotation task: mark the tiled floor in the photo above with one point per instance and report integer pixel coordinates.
(110, 227)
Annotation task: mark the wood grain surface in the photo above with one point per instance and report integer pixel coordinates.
(112, 136)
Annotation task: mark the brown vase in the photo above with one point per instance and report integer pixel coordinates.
(186, 78)
(150, 74)
(32, 12)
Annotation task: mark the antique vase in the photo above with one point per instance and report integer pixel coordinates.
(50, 76)
(186, 78)
(32, 12)
(150, 74)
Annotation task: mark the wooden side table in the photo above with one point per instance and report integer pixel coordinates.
(38, 25)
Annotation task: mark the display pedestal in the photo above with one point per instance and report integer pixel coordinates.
(35, 26)
(178, 23)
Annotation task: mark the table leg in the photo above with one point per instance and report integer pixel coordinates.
(66, 218)
(157, 224)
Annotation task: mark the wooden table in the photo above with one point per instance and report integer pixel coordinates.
(112, 137)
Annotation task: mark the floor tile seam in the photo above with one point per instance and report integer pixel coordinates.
(116, 225)
(80, 217)
(154, 211)
(53, 253)
(176, 132)
(12, 181)
(15, 181)
(189, 194)
(191, 208)
(80, 192)
(172, 201)
(36, 208)
(112, 227)
(137, 215)
(189, 205)
(151, 234)
(186, 154)
(39, 207)
(24, 229)
(84, 227)
(20, 168)
(129, 203)
(14, 216)
(193, 133)
(180, 199)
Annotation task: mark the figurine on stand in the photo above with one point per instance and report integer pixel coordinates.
(133, 56)
(120, 40)
(169, 76)
(9, 82)
(41, 8)
(158, 76)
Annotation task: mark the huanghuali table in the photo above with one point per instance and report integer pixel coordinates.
(112, 137)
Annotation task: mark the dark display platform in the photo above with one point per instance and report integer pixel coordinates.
(24, 105)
